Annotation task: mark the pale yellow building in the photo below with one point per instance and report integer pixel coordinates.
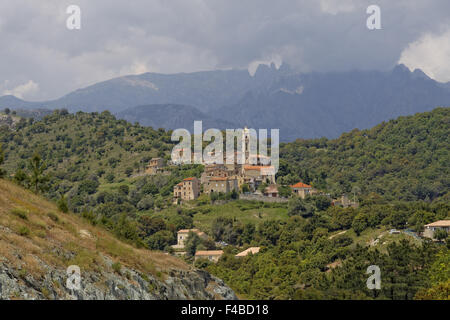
(211, 255)
(220, 185)
(432, 227)
(183, 234)
(302, 189)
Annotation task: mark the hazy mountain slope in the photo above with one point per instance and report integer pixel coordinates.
(300, 105)
(315, 105)
(206, 90)
(201, 89)
(38, 243)
(171, 116)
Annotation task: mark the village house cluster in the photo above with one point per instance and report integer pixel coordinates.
(226, 178)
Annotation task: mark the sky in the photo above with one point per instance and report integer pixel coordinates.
(41, 59)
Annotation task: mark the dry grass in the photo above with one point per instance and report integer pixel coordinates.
(50, 238)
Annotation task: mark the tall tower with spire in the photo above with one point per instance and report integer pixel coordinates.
(246, 145)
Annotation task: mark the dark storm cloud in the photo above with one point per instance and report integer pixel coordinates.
(41, 59)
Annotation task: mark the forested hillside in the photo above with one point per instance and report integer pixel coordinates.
(403, 159)
(92, 164)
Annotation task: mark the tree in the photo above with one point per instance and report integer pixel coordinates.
(37, 177)
(298, 206)
(7, 111)
(160, 240)
(220, 226)
(321, 202)
(147, 202)
(245, 188)
(21, 178)
(359, 223)
(440, 234)
(284, 191)
(62, 204)
(129, 171)
(248, 233)
(191, 244)
(88, 186)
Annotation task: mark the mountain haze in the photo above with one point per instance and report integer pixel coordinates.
(308, 105)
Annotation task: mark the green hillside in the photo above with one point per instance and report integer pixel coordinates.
(92, 165)
(38, 242)
(403, 159)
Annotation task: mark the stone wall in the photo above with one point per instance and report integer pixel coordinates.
(254, 197)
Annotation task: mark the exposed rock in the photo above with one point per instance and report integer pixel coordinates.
(109, 285)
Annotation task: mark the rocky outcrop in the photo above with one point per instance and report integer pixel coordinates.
(108, 285)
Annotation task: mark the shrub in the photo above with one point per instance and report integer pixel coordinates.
(116, 266)
(53, 216)
(62, 204)
(202, 263)
(24, 231)
(22, 214)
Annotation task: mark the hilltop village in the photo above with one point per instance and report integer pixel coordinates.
(253, 179)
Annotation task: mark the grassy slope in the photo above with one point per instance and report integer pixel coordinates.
(242, 211)
(46, 238)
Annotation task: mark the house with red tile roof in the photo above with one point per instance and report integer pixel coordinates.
(302, 189)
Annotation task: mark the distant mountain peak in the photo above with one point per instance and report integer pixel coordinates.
(401, 69)
(418, 73)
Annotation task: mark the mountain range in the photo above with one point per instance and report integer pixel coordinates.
(301, 105)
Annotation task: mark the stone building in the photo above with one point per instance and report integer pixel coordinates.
(183, 234)
(188, 189)
(345, 202)
(271, 191)
(155, 165)
(220, 185)
(256, 175)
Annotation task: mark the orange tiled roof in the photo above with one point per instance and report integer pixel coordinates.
(301, 185)
(189, 179)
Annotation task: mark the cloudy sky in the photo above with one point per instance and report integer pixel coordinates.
(41, 59)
